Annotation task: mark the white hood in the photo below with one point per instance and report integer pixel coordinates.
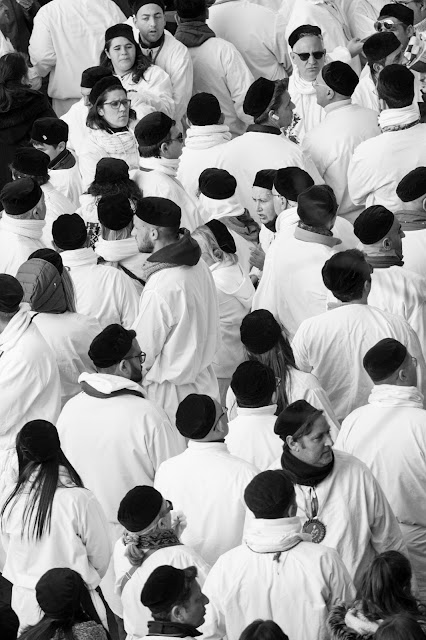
(232, 280)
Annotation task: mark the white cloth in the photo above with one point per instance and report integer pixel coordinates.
(322, 341)
(362, 14)
(215, 524)
(101, 292)
(135, 615)
(158, 178)
(331, 145)
(392, 427)
(219, 68)
(178, 328)
(69, 335)
(76, 120)
(365, 94)
(5, 45)
(18, 240)
(257, 34)
(304, 96)
(295, 589)
(414, 251)
(123, 253)
(68, 183)
(202, 144)
(60, 45)
(251, 436)
(153, 92)
(56, 205)
(379, 164)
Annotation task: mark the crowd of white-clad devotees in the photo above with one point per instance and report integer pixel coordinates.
(212, 320)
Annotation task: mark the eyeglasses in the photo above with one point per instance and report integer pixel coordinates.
(116, 104)
(141, 356)
(318, 55)
(178, 138)
(386, 25)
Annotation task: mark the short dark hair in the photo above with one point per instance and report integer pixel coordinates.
(96, 121)
(154, 150)
(41, 180)
(345, 275)
(190, 577)
(401, 626)
(191, 9)
(396, 86)
(281, 86)
(263, 630)
(253, 384)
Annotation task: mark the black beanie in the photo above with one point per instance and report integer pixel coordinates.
(317, 205)
(115, 211)
(121, 30)
(111, 345)
(259, 97)
(49, 255)
(137, 4)
(382, 360)
(108, 82)
(399, 11)
(160, 212)
(39, 441)
(373, 224)
(301, 32)
(11, 293)
(69, 231)
(290, 182)
(90, 76)
(59, 593)
(20, 196)
(259, 331)
(269, 494)
(265, 178)
(163, 588)
(30, 161)
(380, 45)
(253, 382)
(203, 109)
(217, 184)
(111, 170)
(413, 185)
(223, 237)
(340, 77)
(50, 131)
(195, 416)
(295, 416)
(153, 129)
(139, 508)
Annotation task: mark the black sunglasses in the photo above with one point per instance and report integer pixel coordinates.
(305, 56)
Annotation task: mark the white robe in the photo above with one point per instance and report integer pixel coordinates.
(18, 240)
(251, 436)
(272, 577)
(68, 183)
(321, 346)
(365, 94)
(196, 482)
(56, 205)
(414, 251)
(389, 436)
(76, 120)
(153, 92)
(307, 109)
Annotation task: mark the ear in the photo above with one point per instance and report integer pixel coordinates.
(107, 54)
(284, 202)
(387, 244)
(274, 397)
(61, 146)
(273, 115)
(176, 614)
(402, 375)
(101, 112)
(424, 204)
(292, 445)
(292, 56)
(164, 147)
(377, 67)
(367, 286)
(218, 254)
(154, 233)
(330, 93)
(410, 30)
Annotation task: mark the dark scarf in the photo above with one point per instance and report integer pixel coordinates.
(152, 541)
(244, 225)
(411, 220)
(383, 262)
(264, 128)
(65, 160)
(194, 33)
(322, 231)
(152, 45)
(176, 629)
(94, 393)
(185, 252)
(303, 473)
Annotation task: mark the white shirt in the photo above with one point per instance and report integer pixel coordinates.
(322, 341)
(251, 436)
(68, 183)
(18, 240)
(56, 205)
(76, 120)
(207, 483)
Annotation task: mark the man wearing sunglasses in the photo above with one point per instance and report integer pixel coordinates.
(398, 19)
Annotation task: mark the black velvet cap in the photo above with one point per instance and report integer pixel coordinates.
(108, 82)
(20, 196)
(290, 182)
(265, 178)
(260, 331)
(137, 4)
(413, 185)
(160, 212)
(111, 345)
(399, 11)
(50, 131)
(11, 293)
(31, 161)
(373, 224)
(115, 211)
(39, 441)
(293, 417)
(223, 237)
(217, 184)
(195, 416)
(269, 494)
(59, 592)
(252, 382)
(69, 231)
(139, 508)
(120, 31)
(153, 128)
(90, 76)
(111, 170)
(203, 109)
(340, 77)
(163, 588)
(316, 205)
(258, 97)
(301, 32)
(380, 45)
(382, 360)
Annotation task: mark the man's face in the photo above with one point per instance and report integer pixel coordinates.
(316, 448)
(49, 149)
(308, 69)
(142, 232)
(134, 361)
(151, 21)
(194, 610)
(279, 201)
(85, 92)
(322, 91)
(175, 146)
(396, 57)
(395, 236)
(403, 32)
(285, 111)
(264, 203)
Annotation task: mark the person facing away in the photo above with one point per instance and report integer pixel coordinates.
(296, 575)
(411, 213)
(263, 630)
(401, 626)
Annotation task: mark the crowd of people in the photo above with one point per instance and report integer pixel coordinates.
(212, 319)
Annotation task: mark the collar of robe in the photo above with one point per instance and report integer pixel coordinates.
(411, 220)
(91, 391)
(65, 160)
(303, 473)
(263, 128)
(152, 45)
(175, 629)
(383, 262)
(314, 235)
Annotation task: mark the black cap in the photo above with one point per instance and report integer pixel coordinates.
(111, 170)
(265, 178)
(137, 4)
(20, 196)
(413, 185)
(295, 416)
(399, 11)
(380, 45)
(50, 131)
(301, 32)
(120, 31)
(139, 508)
(373, 224)
(317, 205)
(153, 129)
(217, 184)
(115, 211)
(39, 441)
(253, 382)
(59, 593)
(111, 346)
(108, 82)
(90, 76)
(384, 359)
(290, 182)
(259, 331)
(11, 293)
(259, 97)
(163, 588)
(203, 109)
(69, 231)
(223, 238)
(30, 161)
(269, 494)
(340, 77)
(190, 10)
(195, 416)
(160, 212)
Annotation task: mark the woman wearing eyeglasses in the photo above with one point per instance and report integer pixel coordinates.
(108, 129)
(150, 540)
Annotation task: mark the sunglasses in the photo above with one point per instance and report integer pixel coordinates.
(318, 55)
(116, 104)
(386, 25)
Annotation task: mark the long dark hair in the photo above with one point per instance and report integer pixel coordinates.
(95, 120)
(13, 70)
(142, 62)
(42, 479)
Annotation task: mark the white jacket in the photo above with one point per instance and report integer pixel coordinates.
(76, 120)
(18, 240)
(102, 292)
(67, 38)
(68, 183)
(275, 575)
(214, 507)
(251, 436)
(373, 434)
(414, 251)
(56, 205)
(322, 341)
(331, 145)
(153, 92)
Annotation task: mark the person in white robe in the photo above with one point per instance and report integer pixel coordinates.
(251, 433)
(48, 291)
(160, 147)
(330, 483)
(263, 146)
(214, 524)
(151, 539)
(267, 212)
(257, 33)
(331, 143)
(321, 341)
(148, 22)
(218, 66)
(21, 224)
(392, 426)
(61, 49)
(102, 292)
(411, 214)
(393, 289)
(203, 140)
(178, 319)
(378, 164)
(277, 573)
(118, 454)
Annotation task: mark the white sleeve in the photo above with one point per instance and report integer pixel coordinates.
(214, 627)
(95, 535)
(300, 351)
(156, 91)
(41, 50)
(360, 178)
(341, 587)
(238, 80)
(182, 80)
(129, 300)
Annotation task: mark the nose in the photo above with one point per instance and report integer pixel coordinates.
(122, 107)
(329, 441)
(292, 106)
(151, 22)
(206, 600)
(402, 234)
(259, 207)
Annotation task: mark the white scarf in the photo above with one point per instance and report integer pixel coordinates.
(116, 250)
(399, 117)
(169, 166)
(121, 144)
(28, 228)
(271, 536)
(206, 137)
(106, 383)
(14, 330)
(287, 218)
(390, 395)
(79, 257)
(211, 209)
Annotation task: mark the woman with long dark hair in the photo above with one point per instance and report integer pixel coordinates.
(20, 106)
(49, 519)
